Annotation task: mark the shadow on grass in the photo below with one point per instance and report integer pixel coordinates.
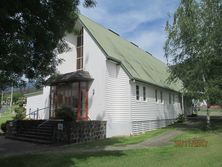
(57, 160)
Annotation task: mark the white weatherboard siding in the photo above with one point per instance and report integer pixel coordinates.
(149, 114)
(94, 63)
(110, 91)
(40, 101)
(117, 101)
(68, 57)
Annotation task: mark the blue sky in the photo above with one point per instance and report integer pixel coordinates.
(140, 21)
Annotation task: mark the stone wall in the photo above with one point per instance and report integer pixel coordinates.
(79, 132)
(56, 131)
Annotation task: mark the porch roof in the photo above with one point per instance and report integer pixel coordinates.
(76, 76)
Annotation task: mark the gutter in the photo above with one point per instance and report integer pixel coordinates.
(143, 81)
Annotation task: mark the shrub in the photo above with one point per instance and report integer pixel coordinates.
(3, 126)
(20, 113)
(180, 118)
(65, 113)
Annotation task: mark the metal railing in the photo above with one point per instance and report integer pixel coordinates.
(35, 113)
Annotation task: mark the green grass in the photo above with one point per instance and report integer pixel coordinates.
(213, 112)
(169, 156)
(165, 156)
(6, 116)
(121, 141)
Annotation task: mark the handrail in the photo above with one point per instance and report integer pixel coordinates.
(35, 111)
(48, 121)
(43, 123)
(31, 113)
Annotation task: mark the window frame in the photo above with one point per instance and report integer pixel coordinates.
(161, 97)
(173, 98)
(137, 92)
(156, 95)
(170, 100)
(79, 51)
(144, 94)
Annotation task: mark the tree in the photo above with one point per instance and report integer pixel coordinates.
(194, 46)
(29, 33)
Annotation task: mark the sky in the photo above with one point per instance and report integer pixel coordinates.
(139, 21)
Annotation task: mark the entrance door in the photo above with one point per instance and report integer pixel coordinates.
(73, 95)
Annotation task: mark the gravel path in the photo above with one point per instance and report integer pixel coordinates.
(160, 140)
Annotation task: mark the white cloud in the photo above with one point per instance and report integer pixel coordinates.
(134, 14)
(126, 17)
(151, 41)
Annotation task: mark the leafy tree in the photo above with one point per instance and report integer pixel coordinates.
(30, 30)
(194, 46)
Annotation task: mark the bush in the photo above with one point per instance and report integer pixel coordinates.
(20, 113)
(3, 126)
(180, 118)
(65, 113)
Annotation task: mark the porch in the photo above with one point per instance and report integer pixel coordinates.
(70, 90)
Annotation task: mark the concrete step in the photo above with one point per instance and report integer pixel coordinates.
(31, 131)
(32, 140)
(43, 130)
(41, 133)
(35, 136)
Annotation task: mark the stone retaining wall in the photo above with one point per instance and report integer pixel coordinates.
(79, 132)
(57, 131)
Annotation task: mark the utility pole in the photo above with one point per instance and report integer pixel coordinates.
(11, 98)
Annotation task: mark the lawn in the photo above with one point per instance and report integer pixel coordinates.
(6, 116)
(169, 156)
(121, 141)
(213, 112)
(165, 156)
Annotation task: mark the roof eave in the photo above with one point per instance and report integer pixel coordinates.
(156, 85)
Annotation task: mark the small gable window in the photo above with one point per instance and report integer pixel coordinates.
(137, 92)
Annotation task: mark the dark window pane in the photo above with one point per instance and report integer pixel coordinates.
(161, 96)
(79, 40)
(169, 98)
(79, 64)
(144, 94)
(137, 93)
(156, 95)
(79, 52)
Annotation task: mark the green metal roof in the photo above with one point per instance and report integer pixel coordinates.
(138, 64)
